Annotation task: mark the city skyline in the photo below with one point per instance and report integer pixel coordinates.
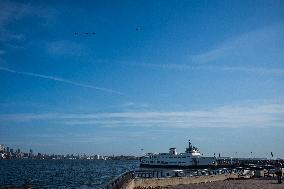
(111, 77)
(9, 153)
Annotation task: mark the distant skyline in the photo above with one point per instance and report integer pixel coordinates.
(153, 75)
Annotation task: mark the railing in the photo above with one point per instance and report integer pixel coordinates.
(180, 173)
(117, 182)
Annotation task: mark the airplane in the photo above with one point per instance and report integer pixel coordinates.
(85, 33)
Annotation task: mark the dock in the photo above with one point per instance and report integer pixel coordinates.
(167, 178)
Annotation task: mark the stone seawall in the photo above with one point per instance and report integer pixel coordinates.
(154, 182)
(120, 181)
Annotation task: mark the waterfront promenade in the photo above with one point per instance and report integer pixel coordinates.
(263, 183)
(205, 182)
(220, 178)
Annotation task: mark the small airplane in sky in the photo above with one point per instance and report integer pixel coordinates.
(85, 33)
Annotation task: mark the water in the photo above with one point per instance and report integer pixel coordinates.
(61, 173)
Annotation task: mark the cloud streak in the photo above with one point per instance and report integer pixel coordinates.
(257, 52)
(254, 115)
(58, 79)
(262, 45)
(66, 47)
(243, 69)
(13, 12)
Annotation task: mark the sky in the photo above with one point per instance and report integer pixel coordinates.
(148, 75)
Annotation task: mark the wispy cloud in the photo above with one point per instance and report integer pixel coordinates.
(12, 12)
(253, 115)
(66, 47)
(58, 79)
(257, 52)
(262, 45)
(184, 67)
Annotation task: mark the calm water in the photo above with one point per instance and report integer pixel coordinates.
(61, 173)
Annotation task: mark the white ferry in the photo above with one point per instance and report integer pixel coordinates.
(192, 158)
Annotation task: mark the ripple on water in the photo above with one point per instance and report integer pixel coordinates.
(61, 173)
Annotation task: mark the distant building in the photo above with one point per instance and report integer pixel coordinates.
(2, 147)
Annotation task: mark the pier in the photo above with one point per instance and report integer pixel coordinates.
(136, 179)
(170, 177)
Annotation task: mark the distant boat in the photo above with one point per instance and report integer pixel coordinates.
(192, 158)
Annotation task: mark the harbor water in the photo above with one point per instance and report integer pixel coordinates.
(62, 173)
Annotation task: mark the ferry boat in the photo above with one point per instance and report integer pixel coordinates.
(192, 158)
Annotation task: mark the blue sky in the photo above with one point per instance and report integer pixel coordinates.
(155, 74)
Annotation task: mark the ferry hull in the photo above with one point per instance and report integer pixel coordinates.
(180, 166)
(189, 166)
